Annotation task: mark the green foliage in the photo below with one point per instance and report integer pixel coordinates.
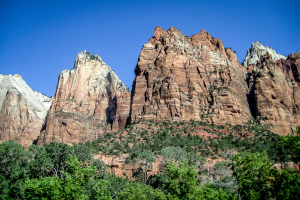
(293, 142)
(182, 181)
(13, 171)
(208, 192)
(70, 185)
(56, 170)
(141, 192)
(285, 184)
(157, 181)
(100, 191)
(144, 158)
(252, 173)
(101, 168)
(174, 153)
(93, 57)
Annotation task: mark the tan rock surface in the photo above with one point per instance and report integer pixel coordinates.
(275, 92)
(22, 110)
(90, 101)
(182, 78)
(118, 166)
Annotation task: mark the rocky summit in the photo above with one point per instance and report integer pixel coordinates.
(182, 78)
(90, 101)
(256, 51)
(178, 78)
(22, 110)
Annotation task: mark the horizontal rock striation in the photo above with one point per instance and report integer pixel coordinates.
(22, 110)
(90, 101)
(182, 78)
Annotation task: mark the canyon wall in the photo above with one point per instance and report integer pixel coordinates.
(182, 78)
(275, 92)
(90, 101)
(177, 78)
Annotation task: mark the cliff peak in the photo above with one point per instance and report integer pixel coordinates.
(256, 51)
(22, 110)
(90, 101)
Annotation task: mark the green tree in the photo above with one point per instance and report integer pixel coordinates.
(182, 181)
(293, 142)
(41, 163)
(252, 173)
(174, 153)
(58, 153)
(207, 192)
(141, 192)
(285, 184)
(100, 191)
(13, 169)
(70, 185)
(144, 158)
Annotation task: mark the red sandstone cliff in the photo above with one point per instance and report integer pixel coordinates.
(90, 101)
(182, 78)
(275, 92)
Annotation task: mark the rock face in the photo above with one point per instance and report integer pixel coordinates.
(256, 51)
(22, 110)
(275, 92)
(182, 78)
(90, 101)
(118, 166)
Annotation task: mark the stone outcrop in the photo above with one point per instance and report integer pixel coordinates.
(117, 165)
(182, 78)
(22, 110)
(275, 92)
(256, 51)
(90, 101)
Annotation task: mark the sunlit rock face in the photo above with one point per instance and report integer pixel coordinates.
(90, 101)
(275, 92)
(256, 51)
(22, 110)
(183, 78)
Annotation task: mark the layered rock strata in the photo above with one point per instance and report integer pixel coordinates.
(182, 78)
(256, 51)
(22, 110)
(90, 101)
(275, 92)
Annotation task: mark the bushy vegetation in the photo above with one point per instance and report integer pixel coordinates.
(249, 151)
(154, 136)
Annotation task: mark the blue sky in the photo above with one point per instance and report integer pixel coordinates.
(39, 39)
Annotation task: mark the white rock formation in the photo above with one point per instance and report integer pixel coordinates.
(257, 50)
(22, 110)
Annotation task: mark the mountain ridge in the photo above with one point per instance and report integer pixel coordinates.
(177, 78)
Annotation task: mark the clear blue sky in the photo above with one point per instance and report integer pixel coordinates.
(38, 39)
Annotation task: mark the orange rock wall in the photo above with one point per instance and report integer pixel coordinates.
(182, 78)
(275, 92)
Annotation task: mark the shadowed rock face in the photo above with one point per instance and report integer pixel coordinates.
(275, 92)
(22, 110)
(182, 78)
(90, 101)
